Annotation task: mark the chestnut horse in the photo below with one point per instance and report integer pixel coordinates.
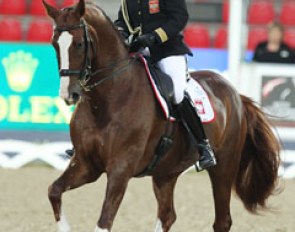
(117, 124)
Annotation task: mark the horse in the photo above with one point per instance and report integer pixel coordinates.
(117, 124)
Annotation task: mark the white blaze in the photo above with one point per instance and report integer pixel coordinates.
(64, 42)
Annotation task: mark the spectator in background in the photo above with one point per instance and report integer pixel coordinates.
(274, 50)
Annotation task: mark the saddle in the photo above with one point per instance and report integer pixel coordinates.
(163, 89)
(162, 80)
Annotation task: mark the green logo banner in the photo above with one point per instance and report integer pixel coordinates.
(29, 85)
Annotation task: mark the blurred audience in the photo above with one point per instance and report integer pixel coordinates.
(274, 50)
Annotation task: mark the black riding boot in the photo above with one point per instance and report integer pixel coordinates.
(190, 117)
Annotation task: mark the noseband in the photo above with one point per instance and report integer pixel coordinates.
(86, 72)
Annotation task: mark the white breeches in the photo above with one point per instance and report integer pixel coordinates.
(176, 68)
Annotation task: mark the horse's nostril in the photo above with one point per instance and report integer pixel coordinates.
(67, 102)
(75, 96)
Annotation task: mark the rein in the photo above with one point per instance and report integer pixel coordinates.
(86, 72)
(88, 87)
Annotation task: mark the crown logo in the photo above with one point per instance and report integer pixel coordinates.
(20, 68)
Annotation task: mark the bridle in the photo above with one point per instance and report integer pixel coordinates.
(86, 72)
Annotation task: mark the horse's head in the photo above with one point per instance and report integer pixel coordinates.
(72, 43)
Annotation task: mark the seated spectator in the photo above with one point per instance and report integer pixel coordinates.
(274, 50)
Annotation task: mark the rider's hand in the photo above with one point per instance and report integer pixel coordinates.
(143, 41)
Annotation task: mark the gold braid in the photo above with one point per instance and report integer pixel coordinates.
(133, 31)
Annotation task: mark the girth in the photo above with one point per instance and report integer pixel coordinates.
(163, 146)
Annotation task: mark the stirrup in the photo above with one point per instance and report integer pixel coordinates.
(202, 167)
(207, 158)
(69, 153)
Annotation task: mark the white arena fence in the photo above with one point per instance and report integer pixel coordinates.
(16, 154)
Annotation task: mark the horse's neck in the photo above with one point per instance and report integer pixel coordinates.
(118, 95)
(111, 51)
(123, 87)
(111, 47)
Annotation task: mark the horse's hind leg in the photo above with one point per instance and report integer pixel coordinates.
(164, 191)
(74, 176)
(222, 177)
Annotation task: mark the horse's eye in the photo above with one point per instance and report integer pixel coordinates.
(79, 45)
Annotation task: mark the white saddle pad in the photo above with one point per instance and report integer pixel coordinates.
(201, 100)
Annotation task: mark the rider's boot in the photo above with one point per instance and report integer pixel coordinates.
(189, 115)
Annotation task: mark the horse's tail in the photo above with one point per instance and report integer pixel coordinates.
(258, 172)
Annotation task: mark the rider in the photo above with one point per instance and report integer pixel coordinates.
(155, 26)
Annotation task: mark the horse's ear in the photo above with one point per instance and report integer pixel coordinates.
(80, 8)
(51, 11)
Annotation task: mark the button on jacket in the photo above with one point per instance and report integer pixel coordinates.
(164, 18)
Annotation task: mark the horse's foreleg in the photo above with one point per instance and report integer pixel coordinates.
(164, 191)
(74, 176)
(117, 183)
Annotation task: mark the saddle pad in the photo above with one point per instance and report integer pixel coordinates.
(201, 100)
(196, 92)
(159, 97)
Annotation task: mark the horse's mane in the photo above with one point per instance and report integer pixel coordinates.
(108, 19)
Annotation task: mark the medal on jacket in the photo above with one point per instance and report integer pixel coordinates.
(154, 6)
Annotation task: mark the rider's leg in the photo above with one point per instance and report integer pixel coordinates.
(189, 114)
(176, 68)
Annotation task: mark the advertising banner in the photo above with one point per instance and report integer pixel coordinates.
(29, 85)
(278, 98)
